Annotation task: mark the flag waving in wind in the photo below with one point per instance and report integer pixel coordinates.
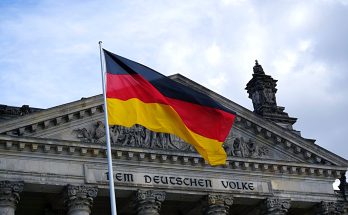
(136, 94)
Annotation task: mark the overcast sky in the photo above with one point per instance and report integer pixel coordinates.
(49, 51)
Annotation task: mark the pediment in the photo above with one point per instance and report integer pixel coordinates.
(250, 138)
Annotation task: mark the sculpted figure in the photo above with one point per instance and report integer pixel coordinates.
(237, 148)
(251, 147)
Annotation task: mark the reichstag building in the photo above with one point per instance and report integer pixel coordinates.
(53, 162)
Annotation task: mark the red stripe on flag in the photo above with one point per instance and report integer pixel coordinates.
(206, 121)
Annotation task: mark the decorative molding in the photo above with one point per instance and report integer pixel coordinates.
(68, 148)
(45, 122)
(218, 204)
(9, 193)
(235, 145)
(330, 208)
(148, 202)
(94, 135)
(239, 147)
(18, 111)
(136, 136)
(140, 137)
(85, 135)
(286, 144)
(79, 198)
(275, 206)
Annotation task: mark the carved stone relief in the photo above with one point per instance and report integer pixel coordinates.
(329, 208)
(238, 146)
(148, 202)
(138, 136)
(79, 199)
(9, 193)
(218, 204)
(94, 135)
(275, 206)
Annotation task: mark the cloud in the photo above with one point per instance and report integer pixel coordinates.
(50, 53)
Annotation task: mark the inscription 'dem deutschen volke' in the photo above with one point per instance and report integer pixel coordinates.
(181, 181)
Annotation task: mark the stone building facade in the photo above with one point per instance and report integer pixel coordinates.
(53, 162)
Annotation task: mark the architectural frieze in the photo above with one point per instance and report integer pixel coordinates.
(85, 150)
(234, 145)
(52, 117)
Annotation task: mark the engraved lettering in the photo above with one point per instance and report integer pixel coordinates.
(164, 181)
(238, 187)
(118, 176)
(193, 181)
(156, 179)
(179, 181)
(171, 180)
(201, 182)
(232, 185)
(128, 177)
(147, 179)
(225, 185)
(185, 181)
(208, 183)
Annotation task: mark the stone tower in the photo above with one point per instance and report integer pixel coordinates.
(262, 91)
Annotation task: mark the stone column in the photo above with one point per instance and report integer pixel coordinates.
(79, 199)
(275, 206)
(218, 204)
(329, 208)
(9, 196)
(148, 202)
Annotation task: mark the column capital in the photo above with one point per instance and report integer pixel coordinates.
(218, 204)
(148, 202)
(275, 206)
(80, 198)
(9, 192)
(328, 208)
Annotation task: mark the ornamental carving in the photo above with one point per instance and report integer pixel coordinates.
(275, 206)
(94, 135)
(218, 204)
(330, 208)
(242, 147)
(148, 202)
(141, 137)
(80, 197)
(9, 193)
(136, 136)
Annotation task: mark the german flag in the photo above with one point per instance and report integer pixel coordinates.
(137, 94)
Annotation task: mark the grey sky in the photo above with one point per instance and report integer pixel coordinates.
(49, 51)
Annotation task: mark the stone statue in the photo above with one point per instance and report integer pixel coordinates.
(258, 68)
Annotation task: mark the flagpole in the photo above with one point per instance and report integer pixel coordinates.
(108, 145)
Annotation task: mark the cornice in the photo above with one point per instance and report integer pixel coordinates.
(50, 147)
(53, 116)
